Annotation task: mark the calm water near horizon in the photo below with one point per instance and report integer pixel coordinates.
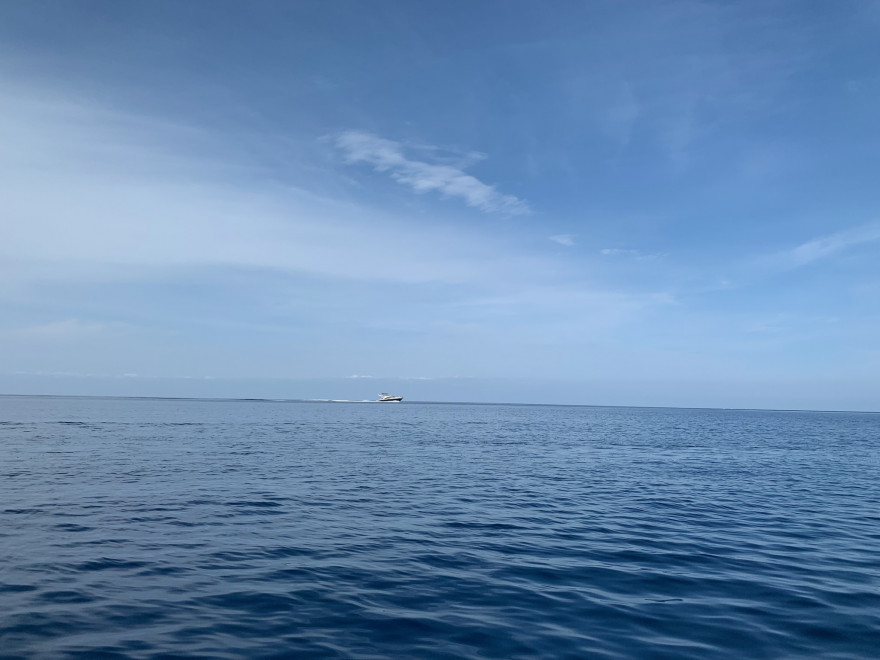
(224, 529)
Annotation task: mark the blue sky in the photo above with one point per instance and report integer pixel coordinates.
(634, 203)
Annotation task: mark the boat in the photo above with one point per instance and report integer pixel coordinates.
(389, 397)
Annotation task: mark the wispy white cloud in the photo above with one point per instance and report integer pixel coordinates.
(569, 311)
(69, 329)
(563, 239)
(91, 193)
(95, 197)
(704, 83)
(448, 179)
(630, 253)
(823, 247)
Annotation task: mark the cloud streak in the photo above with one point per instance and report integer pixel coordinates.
(93, 194)
(69, 329)
(824, 247)
(630, 254)
(388, 156)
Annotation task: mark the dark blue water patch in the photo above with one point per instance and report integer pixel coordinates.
(108, 563)
(162, 528)
(21, 627)
(257, 504)
(16, 588)
(65, 596)
(99, 653)
(71, 527)
(159, 570)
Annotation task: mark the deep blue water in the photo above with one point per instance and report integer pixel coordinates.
(162, 528)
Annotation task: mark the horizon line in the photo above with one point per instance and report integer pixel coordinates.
(463, 403)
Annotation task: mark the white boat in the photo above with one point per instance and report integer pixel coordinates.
(389, 397)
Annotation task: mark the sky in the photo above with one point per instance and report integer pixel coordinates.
(670, 203)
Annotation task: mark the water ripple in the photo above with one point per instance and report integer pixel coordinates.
(149, 529)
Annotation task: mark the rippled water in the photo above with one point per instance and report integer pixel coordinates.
(153, 528)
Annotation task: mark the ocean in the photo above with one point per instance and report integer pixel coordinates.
(162, 528)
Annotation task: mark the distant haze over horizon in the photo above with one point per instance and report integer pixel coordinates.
(790, 396)
(646, 203)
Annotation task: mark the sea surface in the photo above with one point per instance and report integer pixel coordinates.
(149, 528)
